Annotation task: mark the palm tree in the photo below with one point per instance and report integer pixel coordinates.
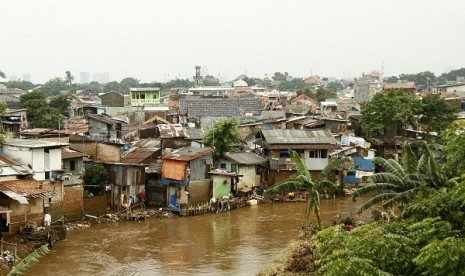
(398, 184)
(304, 181)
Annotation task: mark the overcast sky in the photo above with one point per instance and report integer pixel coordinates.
(159, 40)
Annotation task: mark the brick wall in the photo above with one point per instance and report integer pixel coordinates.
(73, 202)
(95, 206)
(99, 151)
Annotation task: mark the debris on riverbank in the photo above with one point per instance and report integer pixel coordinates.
(297, 258)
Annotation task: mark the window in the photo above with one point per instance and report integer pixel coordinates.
(223, 166)
(72, 165)
(47, 175)
(142, 96)
(234, 168)
(284, 154)
(318, 154)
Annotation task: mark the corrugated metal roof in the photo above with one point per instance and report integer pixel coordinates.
(246, 158)
(22, 188)
(104, 119)
(170, 130)
(137, 156)
(188, 153)
(67, 153)
(30, 143)
(294, 136)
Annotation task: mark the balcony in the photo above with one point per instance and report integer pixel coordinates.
(282, 164)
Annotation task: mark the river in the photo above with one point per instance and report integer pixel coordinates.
(238, 242)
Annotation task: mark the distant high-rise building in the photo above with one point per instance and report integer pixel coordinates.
(84, 77)
(27, 77)
(101, 77)
(12, 78)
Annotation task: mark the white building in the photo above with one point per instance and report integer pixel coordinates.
(42, 157)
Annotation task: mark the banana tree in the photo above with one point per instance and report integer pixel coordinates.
(304, 181)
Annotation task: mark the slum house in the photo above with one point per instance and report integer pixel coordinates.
(96, 150)
(73, 190)
(172, 136)
(125, 184)
(194, 136)
(104, 128)
(14, 120)
(23, 200)
(44, 159)
(45, 134)
(154, 189)
(112, 98)
(11, 96)
(305, 100)
(250, 166)
(224, 184)
(313, 146)
(251, 125)
(184, 173)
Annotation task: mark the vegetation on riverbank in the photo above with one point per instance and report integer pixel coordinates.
(428, 238)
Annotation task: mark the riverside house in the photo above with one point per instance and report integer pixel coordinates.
(313, 147)
(184, 173)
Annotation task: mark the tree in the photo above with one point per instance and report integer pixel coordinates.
(322, 94)
(2, 74)
(389, 112)
(178, 83)
(128, 83)
(454, 150)
(251, 81)
(95, 177)
(69, 78)
(62, 103)
(392, 79)
(304, 181)
(112, 86)
(222, 136)
(292, 84)
(454, 74)
(278, 76)
(436, 114)
(397, 184)
(334, 86)
(39, 113)
(23, 85)
(210, 80)
(54, 86)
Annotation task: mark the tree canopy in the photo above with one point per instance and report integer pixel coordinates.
(436, 114)
(95, 177)
(222, 136)
(389, 112)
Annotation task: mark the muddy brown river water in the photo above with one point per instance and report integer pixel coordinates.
(238, 242)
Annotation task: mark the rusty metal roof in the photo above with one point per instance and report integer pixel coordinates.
(104, 119)
(22, 188)
(295, 136)
(138, 155)
(170, 130)
(67, 153)
(188, 153)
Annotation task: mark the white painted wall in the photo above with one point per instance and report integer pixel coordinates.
(249, 177)
(315, 164)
